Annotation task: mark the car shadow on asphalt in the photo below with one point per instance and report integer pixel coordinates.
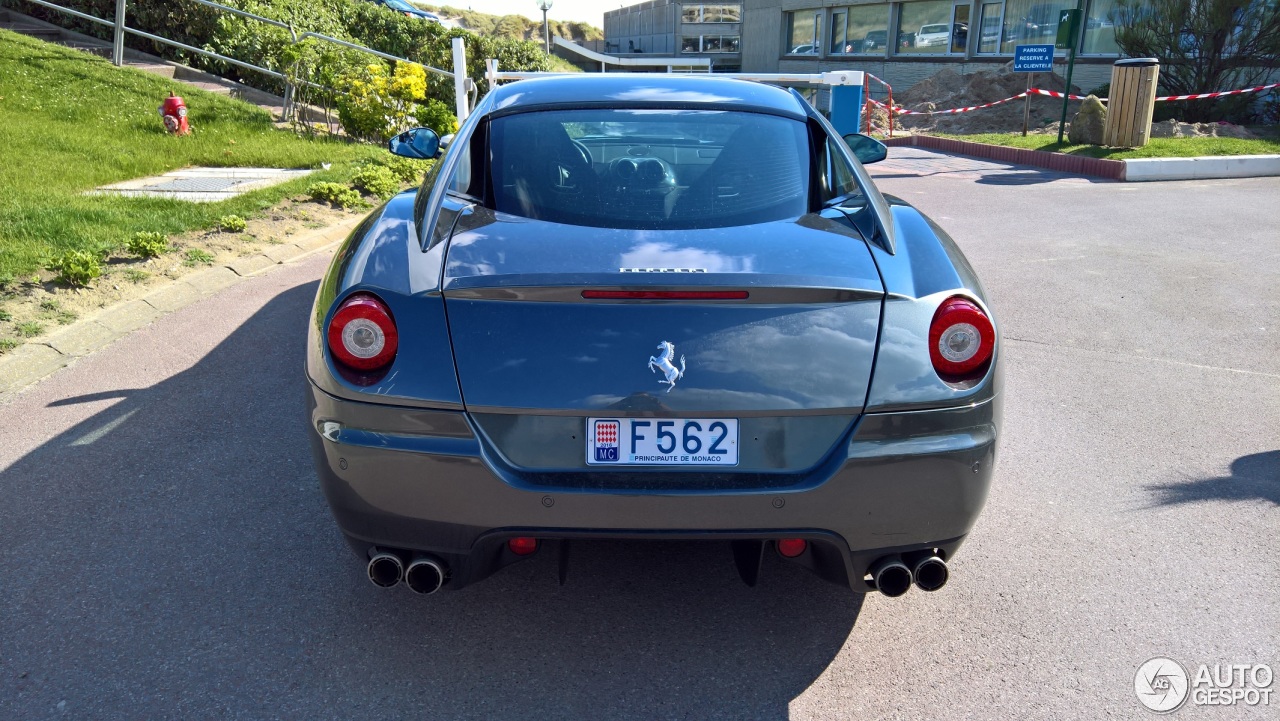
(1253, 477)
(187, 562)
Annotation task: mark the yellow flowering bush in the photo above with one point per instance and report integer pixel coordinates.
(376, 104)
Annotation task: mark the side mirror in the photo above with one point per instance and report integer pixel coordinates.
(418, 143)
(867, 150)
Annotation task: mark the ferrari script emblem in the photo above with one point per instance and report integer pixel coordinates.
(665, 362)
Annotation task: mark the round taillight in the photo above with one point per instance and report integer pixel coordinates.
(961, 340)
(362, 334)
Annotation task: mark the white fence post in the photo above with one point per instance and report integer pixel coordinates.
(117, 42)
(491, 73)
(460, 80)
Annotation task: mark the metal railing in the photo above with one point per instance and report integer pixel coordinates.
(120, 28)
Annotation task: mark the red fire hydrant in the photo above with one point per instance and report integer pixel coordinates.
(174, 112)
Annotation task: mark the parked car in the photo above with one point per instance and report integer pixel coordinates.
(931, 35)
(401, 6)
(683, 313)
(875, 40)
(807, 49)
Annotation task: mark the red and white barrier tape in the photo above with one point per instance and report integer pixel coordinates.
(1056, 94)
(1220, 93)
(899, 110)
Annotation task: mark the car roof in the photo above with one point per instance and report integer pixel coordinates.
(644, 89)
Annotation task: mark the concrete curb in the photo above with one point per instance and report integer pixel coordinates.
(1202, 168)
(1137, 169)
(40, 358)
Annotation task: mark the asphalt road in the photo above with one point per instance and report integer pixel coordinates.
(165, 551)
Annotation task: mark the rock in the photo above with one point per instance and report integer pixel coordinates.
(1087, 125)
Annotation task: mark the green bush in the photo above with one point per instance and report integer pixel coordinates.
(406, 170)
(335, 194)
(437, 116)
(7, 344)
(147, 244)
(231, 224)
(377, 180)
(5, 315)
(76, 267)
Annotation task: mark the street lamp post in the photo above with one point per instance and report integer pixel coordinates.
(545, 5)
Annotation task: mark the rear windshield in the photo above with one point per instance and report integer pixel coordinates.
(650, 169)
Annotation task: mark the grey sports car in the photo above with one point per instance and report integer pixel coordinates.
(652, 307)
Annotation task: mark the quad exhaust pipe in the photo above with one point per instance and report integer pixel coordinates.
(893, 576)
(385, 569)
(930, 572)
(424, 574)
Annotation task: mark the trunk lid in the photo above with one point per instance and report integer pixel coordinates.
(526, 341)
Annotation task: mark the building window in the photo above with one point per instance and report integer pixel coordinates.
(860, 30)
(710, 44)
(711, 14)
(721, 13)
(804, 32)
(934, 27)
(992, 33)
(1100, 29)
(1007, 24)
(837, 45)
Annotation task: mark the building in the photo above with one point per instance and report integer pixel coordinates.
(684, 29)
(902, 42)
(905, 42)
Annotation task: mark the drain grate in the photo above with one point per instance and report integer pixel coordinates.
(195, 185)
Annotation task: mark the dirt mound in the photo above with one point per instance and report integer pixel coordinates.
(948, 89)
(1176, 129)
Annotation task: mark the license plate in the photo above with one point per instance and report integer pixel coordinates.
(662, 441)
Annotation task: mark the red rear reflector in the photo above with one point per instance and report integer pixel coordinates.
(665, 294)
(523, 545)
(792, 547)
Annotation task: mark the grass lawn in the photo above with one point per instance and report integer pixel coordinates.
(1157, 148)
(70, 121)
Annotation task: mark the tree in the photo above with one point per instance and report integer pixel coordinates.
(1203, 45)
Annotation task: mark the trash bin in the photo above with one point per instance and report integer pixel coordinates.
(1133, 100)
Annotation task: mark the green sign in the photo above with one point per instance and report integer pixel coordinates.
(1068, 29)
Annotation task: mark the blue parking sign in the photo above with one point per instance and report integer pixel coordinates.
(1033, 58)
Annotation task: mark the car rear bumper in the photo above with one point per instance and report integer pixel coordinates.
(419, 480)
